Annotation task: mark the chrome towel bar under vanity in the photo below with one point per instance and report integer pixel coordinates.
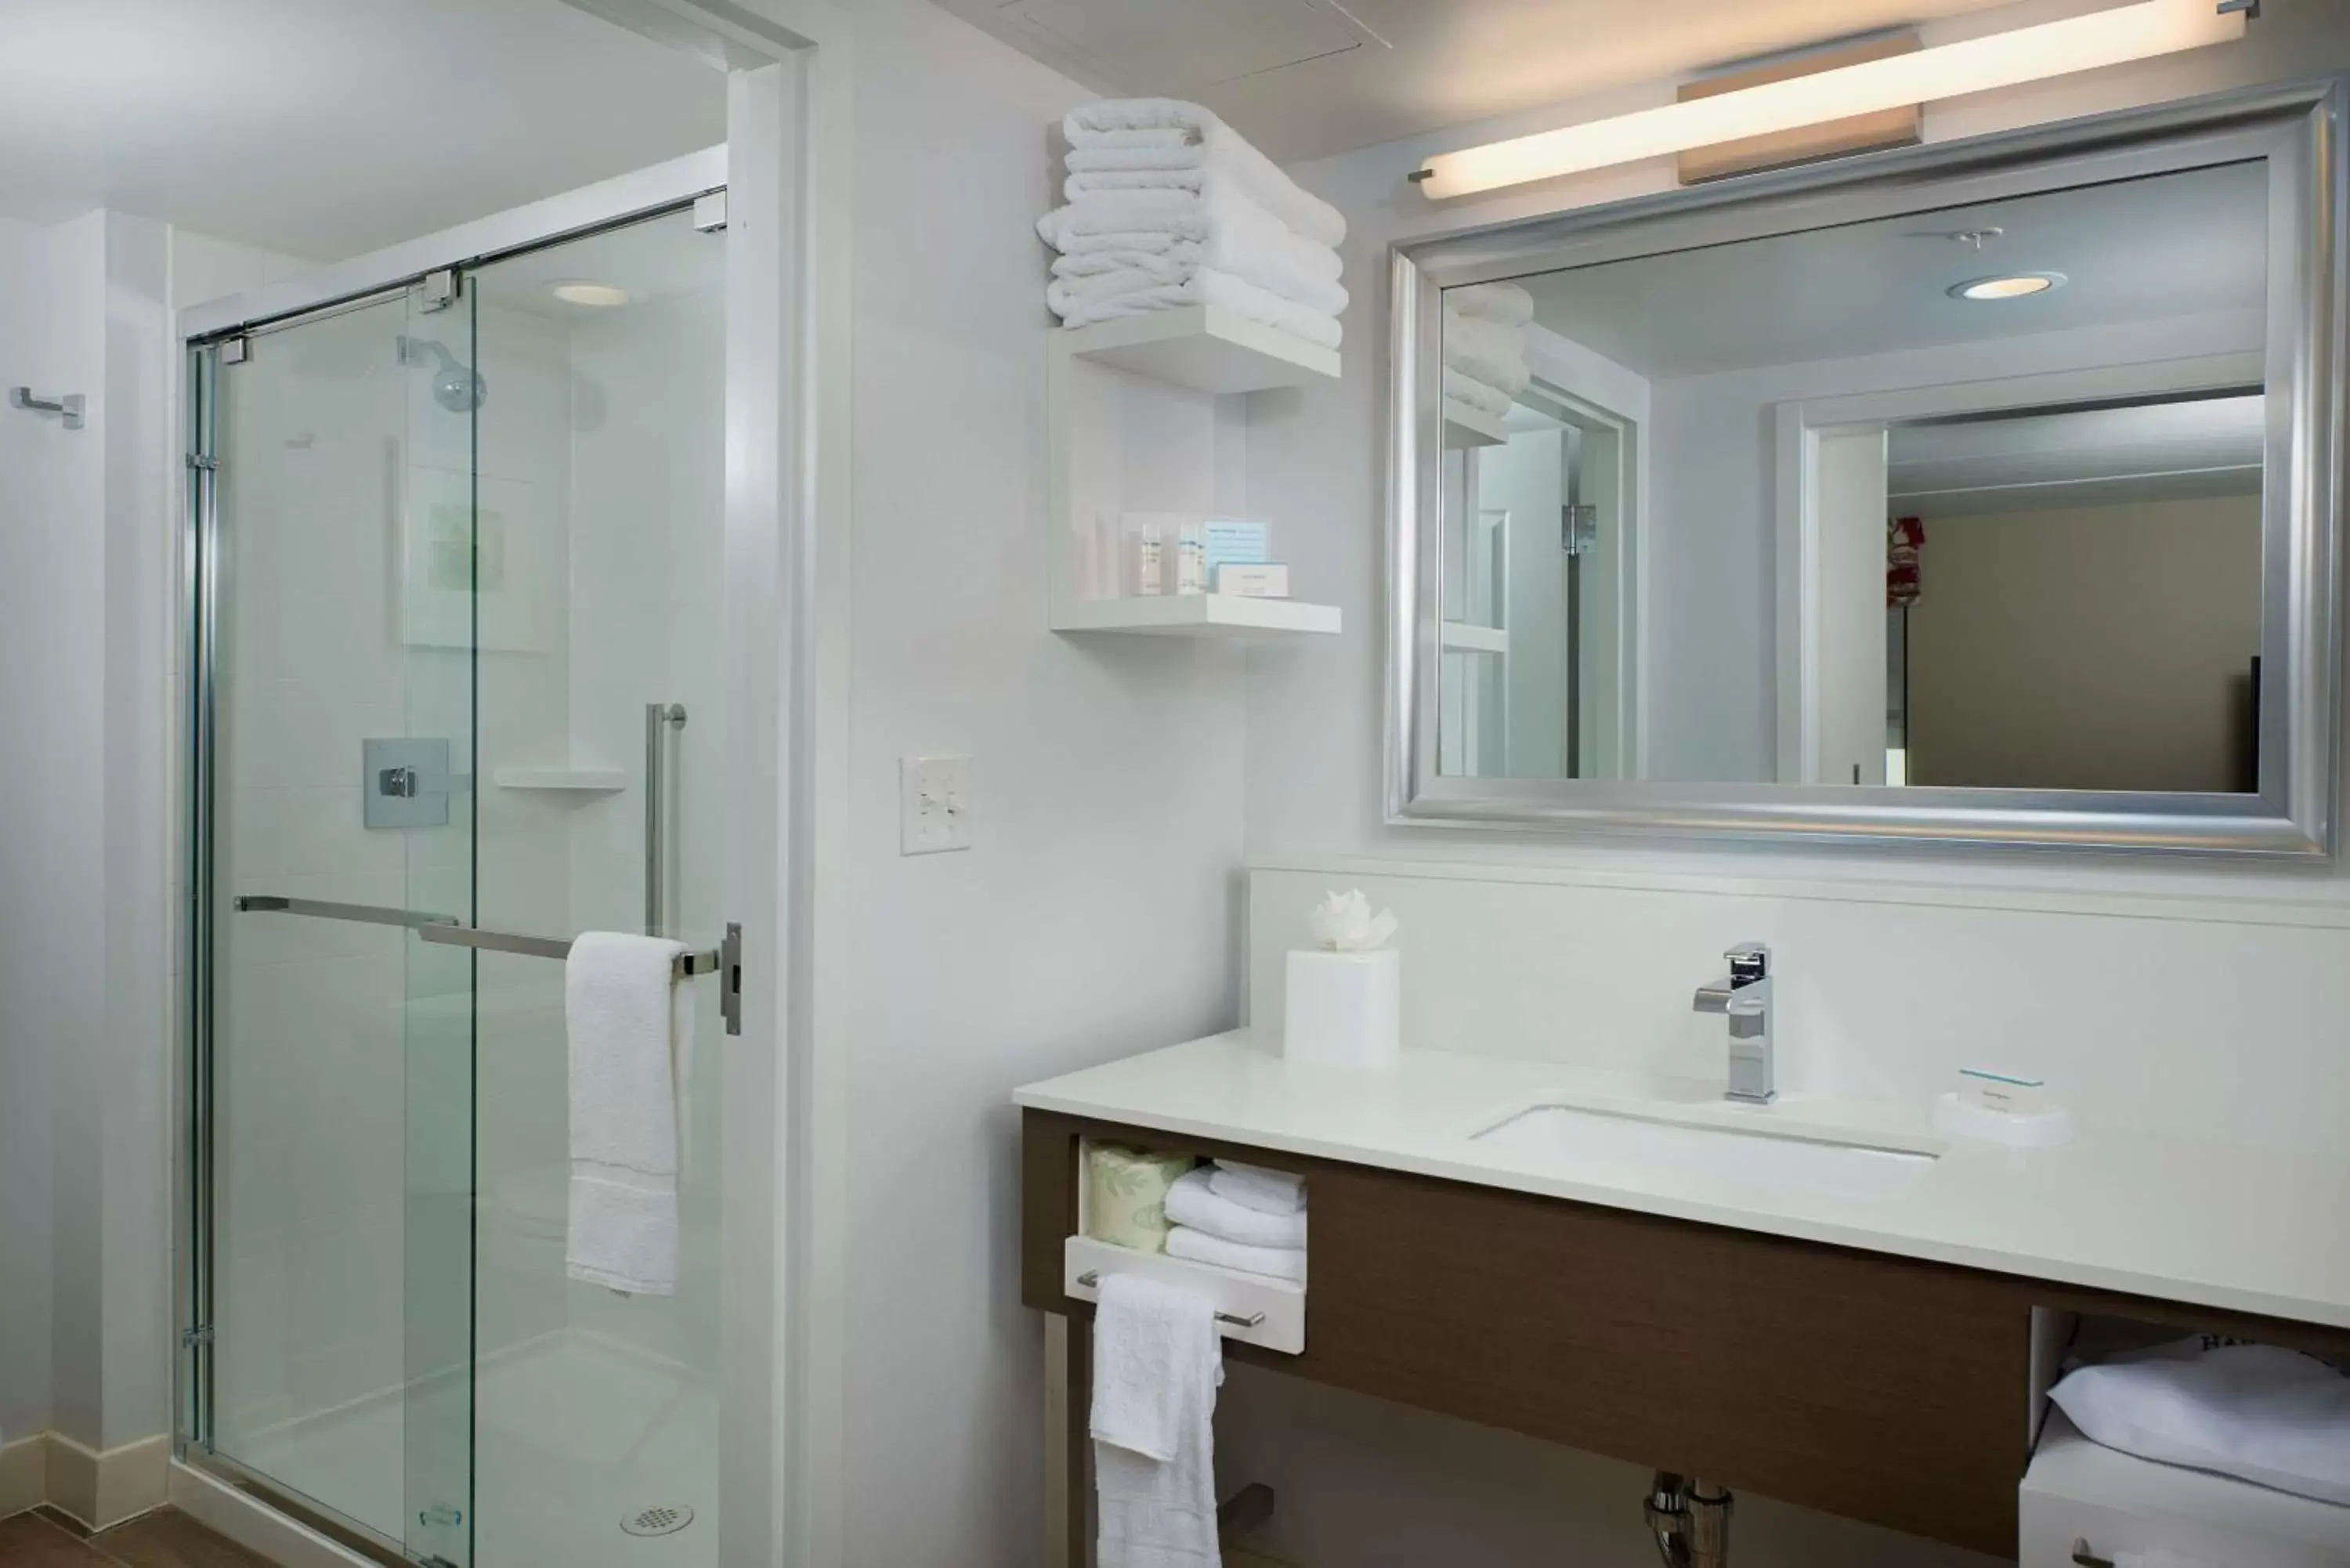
(447, 930)
(1091, 1280)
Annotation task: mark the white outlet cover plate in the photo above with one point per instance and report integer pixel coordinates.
(934, 804)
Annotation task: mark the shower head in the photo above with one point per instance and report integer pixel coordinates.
(455, 388)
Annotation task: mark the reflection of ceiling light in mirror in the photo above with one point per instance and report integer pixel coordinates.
(579, 292)
(2011, 286)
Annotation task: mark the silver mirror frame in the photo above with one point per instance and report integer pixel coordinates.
(2299, 130)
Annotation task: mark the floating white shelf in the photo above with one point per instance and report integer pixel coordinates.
(1198, 615)
(1467, 426)
(1204, 347)
(584, 781)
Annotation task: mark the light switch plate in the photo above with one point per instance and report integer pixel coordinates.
(934, 804)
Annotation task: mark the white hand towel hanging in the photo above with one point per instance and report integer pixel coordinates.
(1157, 1365)
(630, 1030)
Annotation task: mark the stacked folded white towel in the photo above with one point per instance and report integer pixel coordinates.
(1239, 1216)
(1168, 207)
(1486, 345)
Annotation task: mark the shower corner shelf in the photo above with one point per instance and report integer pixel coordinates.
(576, 781)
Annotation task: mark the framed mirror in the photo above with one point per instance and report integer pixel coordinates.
(1984, 492)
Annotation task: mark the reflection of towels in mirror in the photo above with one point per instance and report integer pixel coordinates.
(1486, 351)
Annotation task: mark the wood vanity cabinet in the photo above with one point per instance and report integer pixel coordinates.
(1862, 1384)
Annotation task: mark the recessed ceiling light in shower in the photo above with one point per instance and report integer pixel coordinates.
(2009, 286)
(579, 291)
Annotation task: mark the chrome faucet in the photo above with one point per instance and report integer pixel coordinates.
(1744, 997)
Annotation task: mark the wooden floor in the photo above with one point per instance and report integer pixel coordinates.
(164, 1539)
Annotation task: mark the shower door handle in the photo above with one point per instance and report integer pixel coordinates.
(661, 718)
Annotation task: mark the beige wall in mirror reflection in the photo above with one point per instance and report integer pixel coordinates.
(2088, 648)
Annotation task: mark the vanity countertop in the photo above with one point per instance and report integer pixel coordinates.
(2212, 1224)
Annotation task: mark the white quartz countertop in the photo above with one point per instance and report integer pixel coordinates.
(2211, 1224)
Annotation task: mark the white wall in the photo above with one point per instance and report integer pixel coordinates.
(88, 617)
(36, 468)
(1315, 768)
(83, 947)
(1095, 916)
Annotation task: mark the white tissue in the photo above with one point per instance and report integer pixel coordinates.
(1344, 923)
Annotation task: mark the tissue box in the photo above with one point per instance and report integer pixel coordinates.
(1345, 1009)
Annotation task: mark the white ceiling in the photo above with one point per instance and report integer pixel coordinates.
(2085, 457)
(2176, 244)
(329, 128)
(1306, 78)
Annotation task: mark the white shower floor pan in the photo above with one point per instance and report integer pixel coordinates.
(575, 1434)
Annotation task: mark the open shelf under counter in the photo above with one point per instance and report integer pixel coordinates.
(1198, 615)
(1205, 348)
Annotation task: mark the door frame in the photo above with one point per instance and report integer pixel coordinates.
(1801, 424)
(787, 170)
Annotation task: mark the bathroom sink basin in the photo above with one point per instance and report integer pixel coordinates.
(1616, 1147)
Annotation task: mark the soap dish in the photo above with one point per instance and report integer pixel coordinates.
(2023, 1129)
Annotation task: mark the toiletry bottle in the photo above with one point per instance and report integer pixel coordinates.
(1190, 561)
(1149, 553)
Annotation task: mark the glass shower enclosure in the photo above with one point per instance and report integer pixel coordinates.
(458, 570)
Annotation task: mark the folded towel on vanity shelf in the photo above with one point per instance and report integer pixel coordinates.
(1505, 303)
(1157, 1361)
(1277, 1262)
(1274, 1191)
(1485, 399)
(1204, 286)
(1102, 139)
(1193, 1202)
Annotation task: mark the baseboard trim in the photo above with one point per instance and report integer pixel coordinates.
(23, 1474)
(100, 1490)
(253, 1523)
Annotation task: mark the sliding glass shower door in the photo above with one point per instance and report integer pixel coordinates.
(338, 1048)
(459, 577)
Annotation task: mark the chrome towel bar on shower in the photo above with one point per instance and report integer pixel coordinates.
(687, 964)
(447, 930)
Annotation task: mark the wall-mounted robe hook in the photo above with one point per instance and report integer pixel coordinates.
(70, 405)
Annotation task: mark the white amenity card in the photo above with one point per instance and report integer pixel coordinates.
(1260, 580)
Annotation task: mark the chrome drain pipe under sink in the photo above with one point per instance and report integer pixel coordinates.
(1690, 1520)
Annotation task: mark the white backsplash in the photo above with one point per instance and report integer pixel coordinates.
(2212, 1018)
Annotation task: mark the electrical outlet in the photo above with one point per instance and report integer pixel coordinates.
(934, 804)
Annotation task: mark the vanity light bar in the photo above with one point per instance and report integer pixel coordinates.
(2129, 31)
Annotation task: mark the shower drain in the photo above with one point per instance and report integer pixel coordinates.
(661, 1518)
